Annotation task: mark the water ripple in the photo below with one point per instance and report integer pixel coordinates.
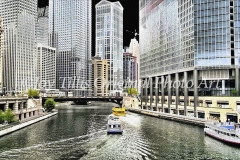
(80, 133)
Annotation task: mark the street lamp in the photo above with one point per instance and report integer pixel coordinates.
(4, 90)
(13, 92)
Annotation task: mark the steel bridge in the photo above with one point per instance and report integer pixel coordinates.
(85, 100)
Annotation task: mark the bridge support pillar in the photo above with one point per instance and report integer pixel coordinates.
(26, 105)
(177, 92)
(185, 92)
(151, 93)
(169, 93)
(6, 106)
(156, 92)
(15, 107)
(21, 106)
(162, 93)
(146, 93)
(142, 97)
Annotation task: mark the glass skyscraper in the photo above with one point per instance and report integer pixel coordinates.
(42, 27)
(70, 32)
(109, 41)
(46, 56)
(19, 56)
(184, 40)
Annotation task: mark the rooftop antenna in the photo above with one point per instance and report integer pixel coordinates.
(135, 33)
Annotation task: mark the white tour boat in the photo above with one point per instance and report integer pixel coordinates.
(114, 125)
(225, 132)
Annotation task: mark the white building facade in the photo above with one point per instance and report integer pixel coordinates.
(109, 41)
(46, 56)
(46, 67)
(185, 40)
(19, 56)
(70, 33)
(134, 48)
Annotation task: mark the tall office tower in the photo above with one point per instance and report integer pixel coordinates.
(1, 52)
(109, 41)
(190, 40)
(129, 69)
(42, 26)
(46, 67)
(70, 32)
(134, 48)
(100, 76)
(46, 56)
(19, 56)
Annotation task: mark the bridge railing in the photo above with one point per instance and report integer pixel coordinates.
(110, 97)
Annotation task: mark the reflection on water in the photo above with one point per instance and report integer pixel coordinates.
(79, 132)
(225, 151)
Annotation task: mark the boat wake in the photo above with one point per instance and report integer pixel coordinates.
(56, 147)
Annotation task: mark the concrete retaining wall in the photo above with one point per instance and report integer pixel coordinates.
(25, 124)
(174, 117)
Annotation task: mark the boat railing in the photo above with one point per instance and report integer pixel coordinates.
(218, 128)
(221, 123)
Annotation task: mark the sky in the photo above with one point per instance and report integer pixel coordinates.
(130, 19)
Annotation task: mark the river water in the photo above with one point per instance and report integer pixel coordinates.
(79, 132)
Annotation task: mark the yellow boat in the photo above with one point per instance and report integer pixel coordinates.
(119, 111)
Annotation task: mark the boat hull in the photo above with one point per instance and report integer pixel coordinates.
(224, 140)
(117, 111)
(114, 132)
(119, 114)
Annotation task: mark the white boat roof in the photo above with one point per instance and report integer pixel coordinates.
(114, 121)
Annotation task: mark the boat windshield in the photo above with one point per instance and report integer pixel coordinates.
(228, 127)
(115, 126)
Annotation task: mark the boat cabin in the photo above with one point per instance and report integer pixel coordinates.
(225, 129)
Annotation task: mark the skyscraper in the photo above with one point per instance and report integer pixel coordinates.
(70, 33)
(46, 56)
(184, 40)
(42, 27)
(109, 41)
(134, 48)
(1, 51)
(130, 69)
(100, 76)
(46, 67)
(19, 56)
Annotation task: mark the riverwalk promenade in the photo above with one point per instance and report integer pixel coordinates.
(205, 113)
(19, 125)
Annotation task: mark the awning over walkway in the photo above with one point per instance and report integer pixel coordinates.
(208, 101)
(192, 100)
(232, 114)
(222, 102)
(212, 112)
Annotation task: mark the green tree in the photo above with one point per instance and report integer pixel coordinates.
(1, 116)
(33, 93)
(132, 91)
(49, 104)
(234, 92)
(9, 116)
